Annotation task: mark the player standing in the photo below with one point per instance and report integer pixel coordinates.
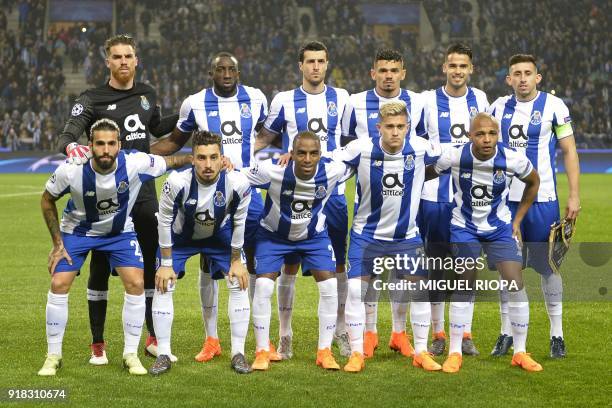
(203, 210)
(294, 225)
(449, 110)
(236, 112)
(97, 216)
(318, 108)
(133, 106)
(360, 121)
(482, 172)
(535, 122)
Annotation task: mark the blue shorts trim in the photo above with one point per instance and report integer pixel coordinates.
(364, 255)
(535, 229)
(336, 218)
(434, 225)
(498, 245)
(314, 253)
(122, 250)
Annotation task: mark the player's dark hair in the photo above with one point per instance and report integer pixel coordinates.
(459, 48)
(104, 124)
(306, 135)
(518, 58)
(313, 46)
(388, 54)
(119, 39)
(205, 138)
(222, 54)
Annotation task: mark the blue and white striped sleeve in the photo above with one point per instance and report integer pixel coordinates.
(186, 122)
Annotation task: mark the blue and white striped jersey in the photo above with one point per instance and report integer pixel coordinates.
(448, 124)
(482, 186)
(191, 211)
(294, 207)
(233, 118)
(388, 187)
(533, 128)
(295, 111)
(100, 204)
(361, 113)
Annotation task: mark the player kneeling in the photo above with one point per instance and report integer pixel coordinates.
(98, 217)
(203, 210)
(482, 171)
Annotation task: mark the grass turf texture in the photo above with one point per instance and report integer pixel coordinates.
(389, 379)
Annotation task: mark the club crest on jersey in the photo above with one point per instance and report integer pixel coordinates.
(320, 192)
(77, 109)
(332, 109)
(122, 187)
(219, 199)
(499, 177)
(409, 162)
(245, 111)
(536, 118)
(144, 102)
(473, 111)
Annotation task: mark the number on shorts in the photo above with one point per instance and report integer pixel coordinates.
(136, 246)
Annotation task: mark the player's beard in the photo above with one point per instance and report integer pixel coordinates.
(105, 164)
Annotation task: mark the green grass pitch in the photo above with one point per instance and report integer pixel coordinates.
(389, 379)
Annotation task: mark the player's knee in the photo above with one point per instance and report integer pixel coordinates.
(60, 284)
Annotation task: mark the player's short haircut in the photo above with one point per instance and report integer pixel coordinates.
(222, 54)
(395, 108)
(518, 58)
(119, 39)
(483, 115)
(388, 54)
(313, 46)
(459, 48)
(306, 135)
(205, 138)
(104, 124)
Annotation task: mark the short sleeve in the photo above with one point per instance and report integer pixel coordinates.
(59, 182)
(258, 174)
(445, 161)
(149, 165)
(349, 119)
(561, 120)
(349, 154)
(186, 122)
(263, 111)
(275, 121)
(521, 165)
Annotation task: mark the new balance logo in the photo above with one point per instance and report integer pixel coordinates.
(373, 115)
(288, 192)
(191, 201)
(444, 114)
(300, 110)
(212, 114)
(466, 175)
(377, 163)
(90, 193)
(112, 107)
(508, 116)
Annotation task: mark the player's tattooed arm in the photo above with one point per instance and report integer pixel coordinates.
(264, 138)
(162, 125)
(170, 144)
(49, 210)
(175, 162)
(238, 270)
(532, 184)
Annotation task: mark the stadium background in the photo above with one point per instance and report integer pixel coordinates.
(51, 50)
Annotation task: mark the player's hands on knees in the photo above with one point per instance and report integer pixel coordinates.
(516, 232)
(77, 154)
(283, 160)
(239, 271)
(227, 163)
(58, 252)
(573, 208)
(164, 277)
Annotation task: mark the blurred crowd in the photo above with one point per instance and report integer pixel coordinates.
(569, 38)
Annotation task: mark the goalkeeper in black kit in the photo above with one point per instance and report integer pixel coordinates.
(133, 106)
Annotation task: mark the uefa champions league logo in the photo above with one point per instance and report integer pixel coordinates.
(122, 187)
(219, 199)
(409, 162)
(320, 192)
(332, 110)
(499, 177)
(77, 109)
(245, 111)
(166, 189)
(144, 102)
(536, 118)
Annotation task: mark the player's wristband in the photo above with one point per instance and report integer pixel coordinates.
(166, 262)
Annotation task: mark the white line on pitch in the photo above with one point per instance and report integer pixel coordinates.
(20, 194)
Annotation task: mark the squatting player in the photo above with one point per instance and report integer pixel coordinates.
(133, 106)
(103, 193)
(482, 172)
(318, 108)
(390, 176)
(294, 225)
(203, 210)
(449, 110)
(534, 122)
(236, 112)
(360, 121)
